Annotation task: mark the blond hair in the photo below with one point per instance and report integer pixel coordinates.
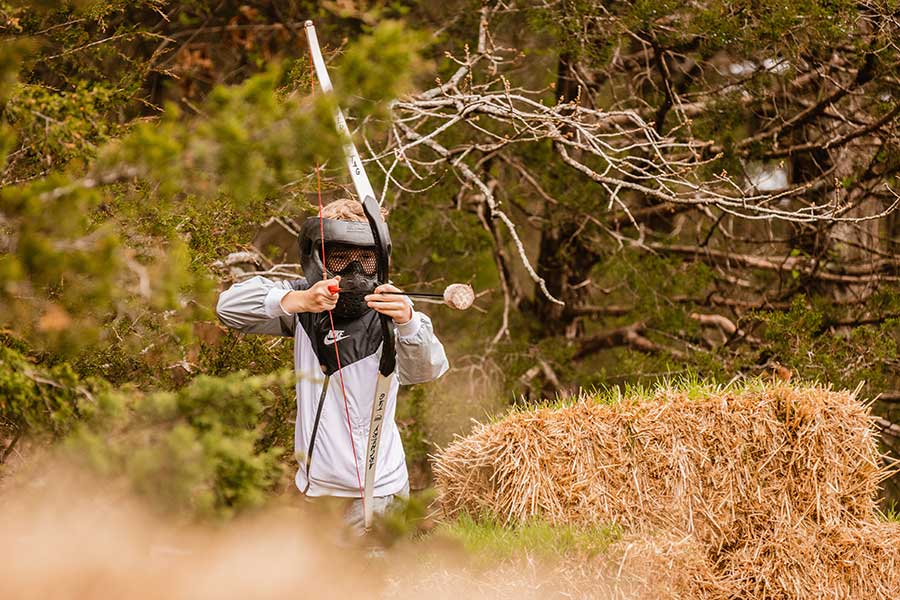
(346, 209)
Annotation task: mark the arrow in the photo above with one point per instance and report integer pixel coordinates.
(457, 295)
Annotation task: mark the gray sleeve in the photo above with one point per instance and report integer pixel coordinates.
(254, 306)
(420, 355)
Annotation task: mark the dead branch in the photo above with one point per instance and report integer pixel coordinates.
(629, 335)
(871, 271)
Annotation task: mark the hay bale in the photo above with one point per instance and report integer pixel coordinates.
(776, 484)
(720, 461)
(813, 561)
(802, 562)
(661, 567)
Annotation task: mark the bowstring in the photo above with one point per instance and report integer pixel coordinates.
(337, 354)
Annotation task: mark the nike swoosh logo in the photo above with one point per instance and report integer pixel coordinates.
(330, 337)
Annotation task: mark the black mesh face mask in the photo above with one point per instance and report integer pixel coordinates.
(339, 258)
(357, 267)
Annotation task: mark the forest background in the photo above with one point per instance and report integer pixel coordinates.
(636, 190)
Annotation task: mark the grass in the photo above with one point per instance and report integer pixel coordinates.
(691, 384)
(489, 540)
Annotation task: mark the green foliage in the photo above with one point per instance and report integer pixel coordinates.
(192, 451)
(803, 340)
(59, 265)
(692, 384)
(10, 59)
(55, 127)
(246, 146)
(404, 518)
(39, 400)
(892, 514)
(410, 419)
(754, 26)
(724, 120)
(565, 25)
(233, 351)
(649, 282)
(490, 541)
(380, 66)
(744, 26)
(209, 449)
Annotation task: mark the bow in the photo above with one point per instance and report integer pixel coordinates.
(372, 211)
(388, 360)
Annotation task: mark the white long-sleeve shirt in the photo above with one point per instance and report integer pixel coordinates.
(254, 306)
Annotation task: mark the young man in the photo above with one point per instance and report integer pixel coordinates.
(300, 308)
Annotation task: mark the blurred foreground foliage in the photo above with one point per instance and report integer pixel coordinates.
(210, 448)
(118, 192)
(203, 450)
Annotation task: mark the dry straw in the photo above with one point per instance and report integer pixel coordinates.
(764, 492)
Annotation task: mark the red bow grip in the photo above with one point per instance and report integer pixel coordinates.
(334, 289)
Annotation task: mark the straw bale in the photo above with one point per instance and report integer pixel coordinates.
(808, 561)
(776, 486)
(721, 462)
(812, 561)
(661, 567)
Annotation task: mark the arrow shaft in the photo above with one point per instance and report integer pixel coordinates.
(335, 289)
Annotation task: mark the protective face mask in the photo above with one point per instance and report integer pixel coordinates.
(355, 284)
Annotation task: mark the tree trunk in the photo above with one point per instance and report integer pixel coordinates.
(563, 260)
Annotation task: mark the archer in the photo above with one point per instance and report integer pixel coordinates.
(338, 331)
